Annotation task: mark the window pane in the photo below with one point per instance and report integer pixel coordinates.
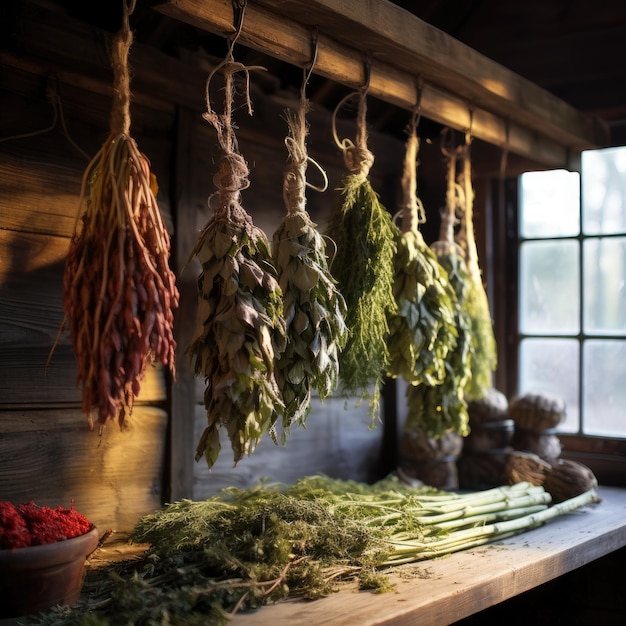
(604, 290)
(604, 396)
(549, 287)
(604, 191)
(550, 204)
(551, 366)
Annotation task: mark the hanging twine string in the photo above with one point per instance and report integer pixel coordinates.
(295, 182)
(468, 242)
(120, 111)
(357, 157)
(232, 175)
(412, 208)
(448, 213)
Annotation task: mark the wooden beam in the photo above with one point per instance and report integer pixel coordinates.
(461, 87)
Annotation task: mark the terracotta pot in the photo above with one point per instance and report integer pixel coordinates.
(36, 578)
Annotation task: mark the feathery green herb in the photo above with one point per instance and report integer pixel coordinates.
(245, 548)
(365, 239)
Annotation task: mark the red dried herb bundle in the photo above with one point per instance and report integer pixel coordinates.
(26, 525)
(119, 292)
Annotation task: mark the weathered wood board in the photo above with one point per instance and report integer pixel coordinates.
(338, 441)
(52, 457)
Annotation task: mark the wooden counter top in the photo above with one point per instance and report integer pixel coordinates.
(439, 592)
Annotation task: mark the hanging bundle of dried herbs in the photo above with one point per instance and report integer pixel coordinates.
(119, 292)
(240, 330)
(437, 409)
(423, 330)
(365, 238)
(484, 355)
(314, 310)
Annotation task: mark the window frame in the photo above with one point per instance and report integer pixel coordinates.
(606, 456)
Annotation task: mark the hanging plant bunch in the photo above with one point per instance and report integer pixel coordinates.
(442, 408)
(423, 330)
(365, 238)
(240, 331)
(314, 310)
(484, 355)
(119, 292)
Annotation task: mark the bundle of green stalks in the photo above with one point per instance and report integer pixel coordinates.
(242, 549)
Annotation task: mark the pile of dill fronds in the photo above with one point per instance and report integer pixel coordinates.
(242, 549)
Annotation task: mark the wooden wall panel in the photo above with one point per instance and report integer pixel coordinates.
(337, 441)
(46, 450)
(51, 457)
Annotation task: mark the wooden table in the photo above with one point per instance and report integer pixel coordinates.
(439, 592)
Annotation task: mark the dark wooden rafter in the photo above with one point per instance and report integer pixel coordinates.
(461, 88)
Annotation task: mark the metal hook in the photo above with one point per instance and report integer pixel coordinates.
(308, 69)
(468, 132)
(448, 148)
(367, 71)
(239, 8)
(417, 109)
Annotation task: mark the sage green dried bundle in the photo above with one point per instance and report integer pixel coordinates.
(365, 238)
(239, 335)
(437, 409)
(423, 330)
(314, 309)
(240, 330)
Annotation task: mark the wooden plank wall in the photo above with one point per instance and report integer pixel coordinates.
(47, 452)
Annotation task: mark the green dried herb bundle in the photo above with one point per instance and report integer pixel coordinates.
(437, 409)
(365, 238)
(245, 548)
(314, 309)
(484, 355)
(423, 330)
(240, 329)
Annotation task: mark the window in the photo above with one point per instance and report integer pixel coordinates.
(572, 290)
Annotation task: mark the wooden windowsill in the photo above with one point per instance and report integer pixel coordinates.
(439, 592)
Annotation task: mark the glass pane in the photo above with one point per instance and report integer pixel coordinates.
(604, 191)
(604, 262)
(549, 300)
(604, 396)
(551, 366)
(549, 204)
